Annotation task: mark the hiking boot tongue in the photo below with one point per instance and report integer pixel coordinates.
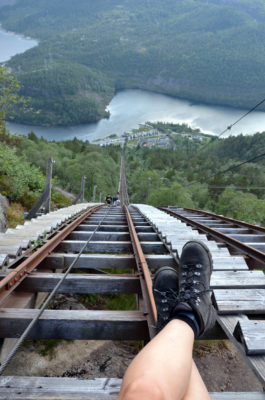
(194, 283)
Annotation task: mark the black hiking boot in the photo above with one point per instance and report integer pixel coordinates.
(194, 286)
(165, 289)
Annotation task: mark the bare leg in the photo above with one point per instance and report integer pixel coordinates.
(196, 389)
(163, 369)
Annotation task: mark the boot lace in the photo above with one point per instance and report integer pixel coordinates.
(191, 285)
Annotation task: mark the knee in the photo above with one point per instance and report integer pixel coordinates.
(143, 388)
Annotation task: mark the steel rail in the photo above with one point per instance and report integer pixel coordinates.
(144, 276)
(244, 248)
(227, 219)
(14, 278)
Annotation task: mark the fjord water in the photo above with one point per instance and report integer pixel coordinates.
(11, 44)
(129, 108)
(132, 107)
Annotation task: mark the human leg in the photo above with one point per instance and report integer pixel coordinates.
(164, 370)
(196, 389)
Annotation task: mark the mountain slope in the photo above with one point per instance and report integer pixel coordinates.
(210, 51)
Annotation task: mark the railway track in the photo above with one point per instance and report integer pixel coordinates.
(240, 237)
(119, 248)
(95, 249)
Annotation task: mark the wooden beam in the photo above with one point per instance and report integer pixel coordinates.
(33, 388)
(104, 261)
(102, 228)
(252, 335)
(255, 362)
(110, 247)
(76, 283)
(75, 324)
(102, 236)
(237, 279)
(231, 301)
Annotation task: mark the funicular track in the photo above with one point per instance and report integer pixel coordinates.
(113, 239)
(115, 250)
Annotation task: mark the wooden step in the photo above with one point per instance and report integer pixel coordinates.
(77, 283)
(252, 335)
(110, 246)
(248, 301)
(33, 388)
(75, 324)
(104, 261)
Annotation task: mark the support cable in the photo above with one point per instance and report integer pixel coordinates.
(233, 124)
(229, 169)
(236, 166)
(47, 301)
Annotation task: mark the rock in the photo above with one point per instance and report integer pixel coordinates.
(3, 208)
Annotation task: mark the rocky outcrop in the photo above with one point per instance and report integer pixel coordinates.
(3, 208)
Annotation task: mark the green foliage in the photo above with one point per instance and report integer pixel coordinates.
(74, 159)
(10, 99)
(17, 177)
(243, 206)
(173, 195)
(181, 176)
(204, 50)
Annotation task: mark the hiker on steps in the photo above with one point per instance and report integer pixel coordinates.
(108, 199)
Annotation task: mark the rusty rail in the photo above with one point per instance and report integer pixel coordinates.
(243, 224)
(230, 241)
(144, 275)
(14, 278)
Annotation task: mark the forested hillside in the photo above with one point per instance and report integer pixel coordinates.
(192, 176)
(204, 50)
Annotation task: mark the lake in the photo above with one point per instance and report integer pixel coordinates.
(11, 44)
(129, 108)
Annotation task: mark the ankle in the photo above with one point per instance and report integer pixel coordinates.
(189, 318)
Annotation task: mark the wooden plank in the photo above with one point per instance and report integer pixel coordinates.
(112, 236)
(247, 238)
(95, 246)
(229, 263)
(75, 324)
(256, 362)
(4, 260)
(256, 245)
(33, 388)
(237, 279)
(89, 261)
(101, 236)
(106, 261)
(110, 247)
(113, 284)
(11, 250)
(102, 228)
(250, 301)
(229, 231)
(24, 244)
(237, 396)
(252, 335)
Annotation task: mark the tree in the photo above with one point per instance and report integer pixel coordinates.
(9, 96)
